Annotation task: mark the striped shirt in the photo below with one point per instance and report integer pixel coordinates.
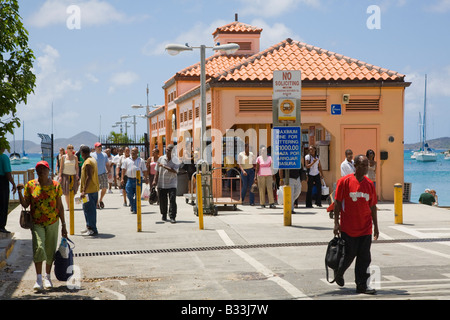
(166, 179)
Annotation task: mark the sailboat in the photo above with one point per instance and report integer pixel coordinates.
(25, 158)
(414, 153)
(14, 157)
(426, 154)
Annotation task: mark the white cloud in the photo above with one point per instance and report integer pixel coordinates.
(202, 34)
(199, 34)
(273, 8)
(53, 86)
(442, 6)
(92, 78)
(273, 34)
(92, 13)
(122, 79)
(438, 103)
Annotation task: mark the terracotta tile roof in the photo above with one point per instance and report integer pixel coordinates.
(315, 63)
(214, 65)
(237, 27)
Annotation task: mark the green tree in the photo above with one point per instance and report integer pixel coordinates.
(115, 137)
(17, 80)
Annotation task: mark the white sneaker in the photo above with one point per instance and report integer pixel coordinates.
(47, 282)
(38, 286)
(85, 231)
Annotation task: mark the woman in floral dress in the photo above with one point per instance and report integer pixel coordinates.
(44, 197)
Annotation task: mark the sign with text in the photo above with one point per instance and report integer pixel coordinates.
(287, 84)
(286, 150)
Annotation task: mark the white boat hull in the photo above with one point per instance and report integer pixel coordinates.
(15, 161)
(426, 156)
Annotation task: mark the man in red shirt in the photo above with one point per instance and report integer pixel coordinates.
(356, 202)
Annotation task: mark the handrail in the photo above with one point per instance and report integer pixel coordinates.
(20, 177)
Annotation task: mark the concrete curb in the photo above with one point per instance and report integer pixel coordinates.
(7, 242)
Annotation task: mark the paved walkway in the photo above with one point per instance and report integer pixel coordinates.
(119, 250)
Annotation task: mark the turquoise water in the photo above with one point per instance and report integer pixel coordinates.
(431, 175)
(422, 175)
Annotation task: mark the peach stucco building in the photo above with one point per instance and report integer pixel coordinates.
(239, 96)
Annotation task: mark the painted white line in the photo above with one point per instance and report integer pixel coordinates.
(422, 235)
(393, 279)
(269, 274)
(433, 252)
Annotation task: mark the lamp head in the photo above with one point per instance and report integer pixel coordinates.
(229, 48)
(174, 49)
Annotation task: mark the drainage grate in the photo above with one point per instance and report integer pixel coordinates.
(249, 246)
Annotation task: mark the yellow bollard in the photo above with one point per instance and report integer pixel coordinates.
(71, 207)
(287, 206)
(200, 201)
(398, 203)
(138, 201)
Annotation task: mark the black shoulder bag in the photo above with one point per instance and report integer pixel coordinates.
(335, 254)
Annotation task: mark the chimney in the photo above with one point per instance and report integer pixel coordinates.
(236, 17)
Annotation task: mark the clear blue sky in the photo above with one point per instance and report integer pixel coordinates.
(93, 74)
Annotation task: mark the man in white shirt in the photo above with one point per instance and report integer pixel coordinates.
(166, 181)
(129, 168)
(348, 166)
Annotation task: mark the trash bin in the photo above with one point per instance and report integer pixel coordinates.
(182, 183)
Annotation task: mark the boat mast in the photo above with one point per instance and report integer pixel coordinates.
(424, 125)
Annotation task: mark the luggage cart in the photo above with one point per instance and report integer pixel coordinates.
(225, 200)
(207, 193)
(208, 185)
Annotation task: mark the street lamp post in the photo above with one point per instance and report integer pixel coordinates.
(174, 49)
(134, 123)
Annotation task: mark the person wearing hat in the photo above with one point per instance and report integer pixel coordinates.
(43, 195)
(5, 179)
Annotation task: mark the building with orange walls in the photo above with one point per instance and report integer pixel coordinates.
(239, 97)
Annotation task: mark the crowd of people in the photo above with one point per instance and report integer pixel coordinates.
(94, 172)
(258, 171)
(91, 172)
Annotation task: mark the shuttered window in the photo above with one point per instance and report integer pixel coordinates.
(266, 105)
(314, 105)
(255, 105)
(363, 105)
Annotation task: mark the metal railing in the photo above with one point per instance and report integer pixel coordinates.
(20, 177)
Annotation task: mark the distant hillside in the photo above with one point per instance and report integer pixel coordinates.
(84, 137)
(440, 143)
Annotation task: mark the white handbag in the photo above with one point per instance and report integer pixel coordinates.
(280, 195)
(325, 189)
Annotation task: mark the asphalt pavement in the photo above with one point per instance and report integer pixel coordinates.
(242, 254)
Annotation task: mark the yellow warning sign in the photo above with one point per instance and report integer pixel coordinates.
(287, 110)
